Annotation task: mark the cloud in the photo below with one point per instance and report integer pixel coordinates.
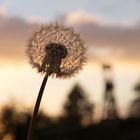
(103, 40)
(4, 7)
(14, 33)
(35, 19)
(3, 10)
(81, 17)
(120, 41)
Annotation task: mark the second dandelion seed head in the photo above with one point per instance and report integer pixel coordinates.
(56, 50)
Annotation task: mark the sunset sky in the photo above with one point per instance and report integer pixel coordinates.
(111, 30)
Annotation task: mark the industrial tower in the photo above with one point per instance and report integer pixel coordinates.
(109, 103)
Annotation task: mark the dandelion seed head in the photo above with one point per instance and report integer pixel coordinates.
(56, 50)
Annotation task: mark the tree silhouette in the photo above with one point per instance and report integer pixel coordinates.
(13, 121)
(14, 124)
(78, 109)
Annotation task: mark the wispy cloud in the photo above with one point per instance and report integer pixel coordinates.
(81, 17)
(4, 7)
(14, 33)
(111, 40)
(3, 10)
(35, 19)
(122, 41)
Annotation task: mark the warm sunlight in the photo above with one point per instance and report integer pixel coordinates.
(99, 101)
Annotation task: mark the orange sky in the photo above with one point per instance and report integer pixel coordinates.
(22, 83)
(115, 44)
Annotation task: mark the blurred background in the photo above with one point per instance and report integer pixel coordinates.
(102, 101)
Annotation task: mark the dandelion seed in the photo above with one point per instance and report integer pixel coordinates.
(57, 50)
(54, 50)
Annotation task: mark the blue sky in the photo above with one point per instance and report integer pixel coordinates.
(108, 10)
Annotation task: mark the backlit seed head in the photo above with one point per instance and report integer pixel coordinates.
(56, 50)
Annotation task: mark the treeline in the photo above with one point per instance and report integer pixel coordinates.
(75, 123)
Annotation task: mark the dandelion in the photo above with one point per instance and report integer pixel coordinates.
(54, 50)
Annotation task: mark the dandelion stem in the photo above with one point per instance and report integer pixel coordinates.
(36, 108)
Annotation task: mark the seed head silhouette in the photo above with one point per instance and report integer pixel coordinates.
(56, 50)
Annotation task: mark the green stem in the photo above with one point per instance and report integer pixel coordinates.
(36, 108)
